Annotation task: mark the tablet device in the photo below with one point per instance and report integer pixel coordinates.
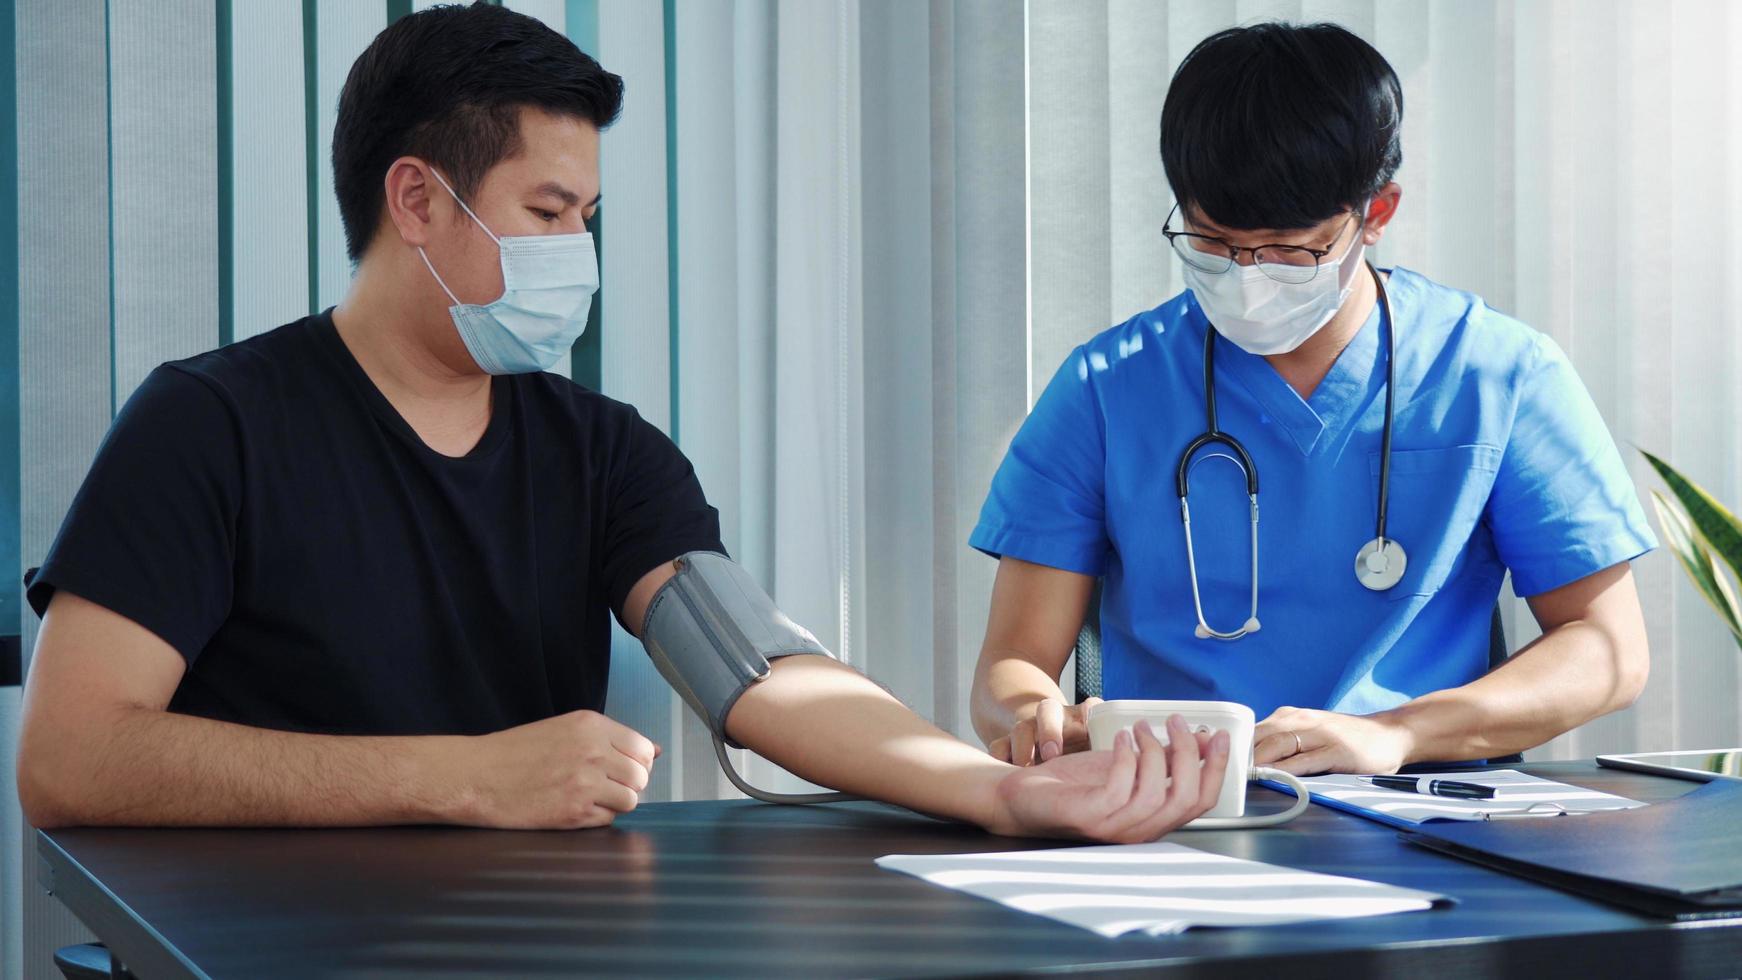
(1704, 765)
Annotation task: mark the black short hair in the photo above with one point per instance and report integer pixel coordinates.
(447, 84)
(1281, 125)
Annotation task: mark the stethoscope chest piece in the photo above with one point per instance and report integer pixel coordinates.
(1380, 563)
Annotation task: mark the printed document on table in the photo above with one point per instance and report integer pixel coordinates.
(1156, 888)
(1516, 794)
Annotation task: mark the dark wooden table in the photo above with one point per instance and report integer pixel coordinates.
(743, 889)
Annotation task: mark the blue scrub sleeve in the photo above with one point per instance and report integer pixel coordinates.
(1563, 505)
(1047, 502)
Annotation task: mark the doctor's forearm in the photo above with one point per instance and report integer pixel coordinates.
(835, 727)
(1006, 690)
(1575, 672)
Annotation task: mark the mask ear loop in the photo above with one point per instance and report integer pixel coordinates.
(438, 278)
(437, 174)
(1356, 247)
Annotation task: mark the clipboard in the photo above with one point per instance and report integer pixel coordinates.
(1678, 859)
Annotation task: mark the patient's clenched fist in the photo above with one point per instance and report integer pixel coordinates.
(575, 770)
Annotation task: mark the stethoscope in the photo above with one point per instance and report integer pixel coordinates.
(1379, 564)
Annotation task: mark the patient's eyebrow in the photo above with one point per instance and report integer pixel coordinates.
(555, 189)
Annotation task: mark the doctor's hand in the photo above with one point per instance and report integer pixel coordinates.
(1046, 731)
(1306, 742)
(1134, 793)
(572, 771)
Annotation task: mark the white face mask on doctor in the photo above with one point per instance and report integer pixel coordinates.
(548, 283)
(1259, 307)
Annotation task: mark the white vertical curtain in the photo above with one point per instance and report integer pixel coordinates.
(842, 241)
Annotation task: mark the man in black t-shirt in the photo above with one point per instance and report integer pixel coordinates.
(359, 569)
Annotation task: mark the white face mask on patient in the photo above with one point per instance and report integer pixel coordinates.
(548, 282)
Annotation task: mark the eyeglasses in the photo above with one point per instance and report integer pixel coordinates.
(1283, 263)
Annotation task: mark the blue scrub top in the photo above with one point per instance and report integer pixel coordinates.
(1499, 461)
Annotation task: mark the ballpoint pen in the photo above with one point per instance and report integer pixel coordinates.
(1428, 786)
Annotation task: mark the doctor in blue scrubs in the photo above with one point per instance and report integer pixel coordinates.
(1362, 646)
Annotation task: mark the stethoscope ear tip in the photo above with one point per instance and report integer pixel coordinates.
(1202, 632)
(1251, 625)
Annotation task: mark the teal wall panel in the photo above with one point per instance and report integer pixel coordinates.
(64, 338)
(581, 22)
(11, 818)
(268, 198)
(9, 540)
(343, 28)
(164, 184)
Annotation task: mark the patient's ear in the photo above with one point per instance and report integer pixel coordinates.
(412, 199)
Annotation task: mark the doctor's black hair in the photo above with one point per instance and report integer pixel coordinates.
(447, 84)
(1280, 126)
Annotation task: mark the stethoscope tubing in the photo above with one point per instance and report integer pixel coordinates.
(1213, 435)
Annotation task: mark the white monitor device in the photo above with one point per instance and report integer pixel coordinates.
(1704, 765)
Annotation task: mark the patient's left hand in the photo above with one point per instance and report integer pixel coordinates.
(1134, 793)
(1331, 742)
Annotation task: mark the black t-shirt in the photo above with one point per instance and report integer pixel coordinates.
(266, 511)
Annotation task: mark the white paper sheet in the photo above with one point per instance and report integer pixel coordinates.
(1515, 794)
(1156, 888)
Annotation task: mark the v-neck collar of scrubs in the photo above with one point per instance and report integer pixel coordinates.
(1333, 402)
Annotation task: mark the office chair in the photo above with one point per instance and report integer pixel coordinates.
(1088, 654)
(90, 961)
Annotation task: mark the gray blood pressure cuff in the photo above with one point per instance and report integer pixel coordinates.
(711, 631)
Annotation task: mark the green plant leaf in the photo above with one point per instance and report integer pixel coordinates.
(1697, 560)
(1711, 520)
